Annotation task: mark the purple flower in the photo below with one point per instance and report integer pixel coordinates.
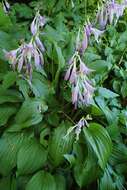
(102, 17)
(97, 33)
(77, 128)
(84, 69)
(115, 11)
(24, 57)
(82, 90)
(38, 22)
(84, 44)
(75, 93)
(39, 44)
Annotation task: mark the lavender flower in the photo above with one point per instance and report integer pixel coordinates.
(38, 22)
(23, 57)
(29, 55)
(82, 90)
(91, 30)
(115, 10)
(102, 17)
(84, 43)
(78, 127)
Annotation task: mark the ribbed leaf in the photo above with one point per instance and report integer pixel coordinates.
(8, 183)
(41, 181)
(9, 79)
(87, 171)
(5, 113)
(59, 145)
(9, 96)
(60, 182)
(31, 157)
(119, 157)
(30, 113)
(99, 139)
(111, 180)
(9, 147)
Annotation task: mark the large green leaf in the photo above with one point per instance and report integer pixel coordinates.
(41, 181)
(86, 172)
(5, 21)
(60, 182)
(9, 96)
(111, 180)
(5, 113)
(99, 139)
(9, 79)
(58, 145)
(106, 93)
(31, 157)
(9, 147)
(30, 113)
(61, 63)
(8, 183)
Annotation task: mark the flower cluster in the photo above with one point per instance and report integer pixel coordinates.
(29, 55)
(83, 122)
(77, 74)
(110, 12)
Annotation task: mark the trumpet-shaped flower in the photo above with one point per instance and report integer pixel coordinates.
(83, 122)
(38, 22)
(77, 74)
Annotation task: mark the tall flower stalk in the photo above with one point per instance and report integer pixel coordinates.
(77, 74)
(29, 55)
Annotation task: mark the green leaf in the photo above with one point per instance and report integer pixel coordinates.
(106, 182)
(60, 182)
(9, 96)
(31, 157)
(23, 87)
(41, 181)
(5, 113)
(106, 93)
(98, 138)
(61, 63)
(124, 89)
(53, 119)
(112, 117)
(86, 172)
(9, 147)
(58, 145)
(8, 183)
(5, 21)
(9, 79)
(30, 113)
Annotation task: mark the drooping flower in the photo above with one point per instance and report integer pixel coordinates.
(115, 11)
(77, 128)
(38, 22)
(24, 57)
(84, 43)
(28, 55)
(102, 17)
(77, 74)
(92, 30)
